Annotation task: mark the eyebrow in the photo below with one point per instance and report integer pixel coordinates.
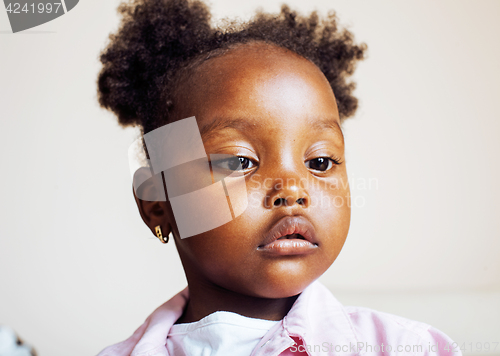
(325, 124)
(222, 123)
(245, 124)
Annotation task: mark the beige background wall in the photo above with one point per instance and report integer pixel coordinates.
(80, 270)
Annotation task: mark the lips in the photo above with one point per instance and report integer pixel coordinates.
(291, 235)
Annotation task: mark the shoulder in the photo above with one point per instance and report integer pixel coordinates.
(410, 337)
(149, 338)
(366, 320)
(322, 320)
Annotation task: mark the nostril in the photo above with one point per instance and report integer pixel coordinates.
(279, 202)
(300, 201)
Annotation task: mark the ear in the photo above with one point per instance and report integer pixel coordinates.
(149, 194)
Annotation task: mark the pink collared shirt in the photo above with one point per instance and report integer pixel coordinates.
(317, 324)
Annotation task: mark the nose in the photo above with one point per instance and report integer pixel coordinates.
(287, 193)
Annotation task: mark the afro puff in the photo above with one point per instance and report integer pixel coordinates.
(158, 40)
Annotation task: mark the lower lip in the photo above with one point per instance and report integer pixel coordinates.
(288, 247)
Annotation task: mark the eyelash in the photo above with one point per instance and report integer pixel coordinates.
(334, 161)
(220, 162)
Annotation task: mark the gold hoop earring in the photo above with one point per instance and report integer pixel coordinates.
(163, 239)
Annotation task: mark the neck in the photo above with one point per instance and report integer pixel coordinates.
(205, 299)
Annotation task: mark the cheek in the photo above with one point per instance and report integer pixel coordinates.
(219, 250)
(331, 196)
(330, 201)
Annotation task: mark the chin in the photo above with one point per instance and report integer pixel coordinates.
(278, 292)
(284, 287)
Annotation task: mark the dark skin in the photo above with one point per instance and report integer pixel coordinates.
(292, 152)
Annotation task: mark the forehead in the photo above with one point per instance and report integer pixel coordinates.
(258, 82)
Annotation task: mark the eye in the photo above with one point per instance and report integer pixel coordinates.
(233, 163)
(320, 164)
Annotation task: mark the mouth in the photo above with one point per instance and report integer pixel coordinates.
(291, 235)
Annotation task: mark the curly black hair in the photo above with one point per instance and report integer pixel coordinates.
(158, 40)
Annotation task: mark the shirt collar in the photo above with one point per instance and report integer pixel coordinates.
(316, 317)
(158, 325)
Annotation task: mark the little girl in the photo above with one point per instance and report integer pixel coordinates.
(267, 98)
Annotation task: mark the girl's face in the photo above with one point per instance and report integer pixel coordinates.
(278, 113)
